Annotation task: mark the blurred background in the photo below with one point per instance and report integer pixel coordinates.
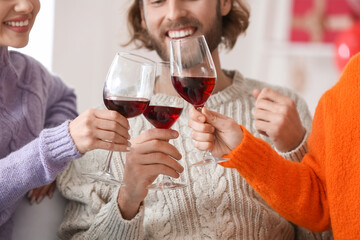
(300, 44)
(289, 42)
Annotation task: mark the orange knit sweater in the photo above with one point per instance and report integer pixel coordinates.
(323, 191)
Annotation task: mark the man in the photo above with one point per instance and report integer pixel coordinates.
(217, 202)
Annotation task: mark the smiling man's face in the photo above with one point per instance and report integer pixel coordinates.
(172, 19)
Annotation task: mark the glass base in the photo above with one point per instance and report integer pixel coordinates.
(165, 185)
(103, 177)
(208, 160)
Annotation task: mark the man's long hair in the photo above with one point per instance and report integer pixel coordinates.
(234, 23)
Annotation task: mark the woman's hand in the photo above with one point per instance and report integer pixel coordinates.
(38, 194)
(214, 132)
(100, 129)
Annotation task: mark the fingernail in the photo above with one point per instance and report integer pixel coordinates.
(32, 201)
(174, 134)
(29, 193)
(39, 199)
(129, 149)
(201, 118)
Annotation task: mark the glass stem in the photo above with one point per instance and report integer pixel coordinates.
(108, 163)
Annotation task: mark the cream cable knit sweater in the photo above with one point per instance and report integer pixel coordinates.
(217, 204)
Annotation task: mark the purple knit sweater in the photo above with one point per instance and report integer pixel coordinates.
(31, 99)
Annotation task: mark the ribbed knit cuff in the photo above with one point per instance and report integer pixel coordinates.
(119, 228)
(58, 147)
(247, 157)
(298, 153)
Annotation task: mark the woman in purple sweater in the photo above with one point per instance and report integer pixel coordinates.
(37, 138)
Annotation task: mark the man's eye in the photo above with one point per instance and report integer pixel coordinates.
(156, 1)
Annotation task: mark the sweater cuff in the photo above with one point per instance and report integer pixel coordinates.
(119, 228)
(58, 147)
(298, 153)
(249, 146)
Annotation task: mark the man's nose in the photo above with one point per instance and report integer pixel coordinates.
(176, 9)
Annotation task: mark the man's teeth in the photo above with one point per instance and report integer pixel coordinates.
(18, 24)
(180, 34)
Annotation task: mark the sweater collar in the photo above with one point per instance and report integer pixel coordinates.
(4, 55)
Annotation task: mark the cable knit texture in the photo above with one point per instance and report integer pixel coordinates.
(31, 99)
(323, 190)
(216, 204)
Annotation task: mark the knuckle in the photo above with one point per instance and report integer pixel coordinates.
(158, 144)
(89, 112)
(211, 138)
(112, 136)
(113, 114)
(266, 90)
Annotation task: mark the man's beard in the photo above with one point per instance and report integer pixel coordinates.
(213, 36)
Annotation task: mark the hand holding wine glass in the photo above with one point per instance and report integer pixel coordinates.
(193, 75)
(162, 116)
(128, 89)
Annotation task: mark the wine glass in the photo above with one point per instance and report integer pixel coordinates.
(193, 75)
(128, 88)
(164, 115)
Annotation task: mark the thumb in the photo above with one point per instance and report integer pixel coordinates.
(214, 118)
(256, 93)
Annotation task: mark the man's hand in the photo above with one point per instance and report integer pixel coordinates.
(276, 117)
(214, 132)
(151, 155)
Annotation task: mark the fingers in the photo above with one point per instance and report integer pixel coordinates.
(111, 146)
(201, 127)
(154, 133)
(162, 162)
(202, 136)
(213, 118)
(157, 146)
(51, 190)
(204, 146)
(256, 93)
(269, 95)
(196, 116)
(113, 116)
(38, 194)
(111, 136)
(95, 128)
(164, 170)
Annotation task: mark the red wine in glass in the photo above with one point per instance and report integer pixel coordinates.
(193, 75)
(195, 90)
(128, 88)
(127, 106)
(162, 116)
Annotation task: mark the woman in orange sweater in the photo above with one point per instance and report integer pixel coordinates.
(323, 191)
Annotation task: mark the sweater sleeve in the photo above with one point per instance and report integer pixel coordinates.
(92, 211)
(295, 190)
(61, 103)
(37, 163)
